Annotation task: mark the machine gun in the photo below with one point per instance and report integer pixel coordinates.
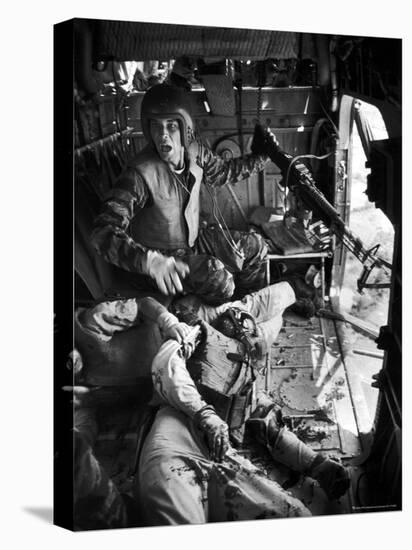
(299, 179)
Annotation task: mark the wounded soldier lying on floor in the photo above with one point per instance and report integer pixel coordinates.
(189, 472)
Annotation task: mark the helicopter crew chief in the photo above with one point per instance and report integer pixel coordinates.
(149, 226)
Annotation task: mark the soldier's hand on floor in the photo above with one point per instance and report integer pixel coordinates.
(264, 141)
(167, 272)
(215, 430)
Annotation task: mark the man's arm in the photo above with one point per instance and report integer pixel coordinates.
(174, 385)
(110, 237)
(172, 381)
(218, 172)
(111, 240)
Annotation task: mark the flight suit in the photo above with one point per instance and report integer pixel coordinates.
(154, 208)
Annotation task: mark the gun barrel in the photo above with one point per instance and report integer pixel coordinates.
(300, 180)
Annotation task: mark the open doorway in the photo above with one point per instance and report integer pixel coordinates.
(373, 227)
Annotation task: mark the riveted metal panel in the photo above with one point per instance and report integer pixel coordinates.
(126, 41)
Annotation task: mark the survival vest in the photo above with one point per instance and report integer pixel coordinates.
(165, 223)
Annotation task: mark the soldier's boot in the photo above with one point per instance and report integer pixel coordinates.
(308, 300)
(286, 448)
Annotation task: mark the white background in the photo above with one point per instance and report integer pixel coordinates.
(26, 272)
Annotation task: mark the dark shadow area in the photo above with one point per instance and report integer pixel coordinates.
(43, 513)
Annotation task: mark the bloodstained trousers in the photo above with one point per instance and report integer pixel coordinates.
(177, 483)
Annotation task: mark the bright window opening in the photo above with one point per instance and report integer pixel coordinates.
(373, 227)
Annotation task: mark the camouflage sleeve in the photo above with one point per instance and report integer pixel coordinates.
(218, 172)
(110, 237)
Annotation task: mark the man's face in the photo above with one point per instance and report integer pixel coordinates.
(165, 133)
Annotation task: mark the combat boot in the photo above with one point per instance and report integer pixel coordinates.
(286, 448)
(308, 300)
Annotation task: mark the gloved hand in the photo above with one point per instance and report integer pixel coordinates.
(171, 328)
(215, 430)
(179, 332)
(166, 271)
(264, 142)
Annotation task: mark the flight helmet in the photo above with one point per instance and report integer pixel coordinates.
(164, 100)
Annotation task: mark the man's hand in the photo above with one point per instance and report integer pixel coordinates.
(264, 141)
(167, 272)
(215, 430)
(178, 332)
(171, 328)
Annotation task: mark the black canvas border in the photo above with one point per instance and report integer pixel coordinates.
(63, 249)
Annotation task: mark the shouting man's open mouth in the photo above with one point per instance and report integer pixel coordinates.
(165, 148)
